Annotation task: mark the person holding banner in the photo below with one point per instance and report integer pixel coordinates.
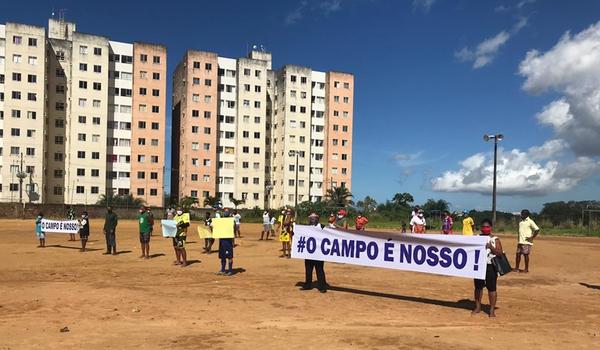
(208, 242)
(145, 229)
(287, 233)
(183, 222)
(493, 248)
(226, 246)
(71, 216)
(341, 221)
(418, 223)
(310, 265)
(38, 230)
(110, 227)
(84, 230)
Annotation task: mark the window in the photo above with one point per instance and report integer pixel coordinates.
(207, 131)
(156, 76)
(15, 113)
(256, 150)
(15, 151)
(17, 58)
(60, 55)
(59, 140)
(31, 96)
(96, 155)
(16, 76)
(143, 75)
(247, 72)
(141, 175)
(81, 154)
(155, 126)
(208, 98)
(141, 141)
(155, 92)
(126, 59)
(303, 94)
(15, 132)
(196, 65)
(96, 104)
(97, 51)
(83, 67)
(17, 40)
(141, 158)
(97, 86)
(293, 78)
(96, 120)
(195, 81)
(194, 177)
(59, 123)
(81, 137)
(142, 108)
(82, 102)
(196, 97)
(32, 60)
(143, 57)
(302, 109)
(80, 189)
(58, 157)
(345, 128)
(346, 99)
(292, 108)
(80, 172)
(346, 85)
(207, 82)
(141, 125)
(16, 95)
(302, 80)
(14, 187)
(156, 59)
(60, 89)
(336, 127)
(58, 173)
(256, 104)
(58, 190)
(244, 180)
(60, 73)
(336, 99)
(59, 106)
(143, 91)
(154, 175)
(257, 135)
(206, 162)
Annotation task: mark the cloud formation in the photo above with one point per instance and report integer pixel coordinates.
(486, 51)
(424, 5)
(324, 8)
(296, 14)
(572, 69)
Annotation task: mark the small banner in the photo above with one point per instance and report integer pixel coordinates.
(68, 226)
(204, 232)
(169, 228)
(460, 256)
(222, 228)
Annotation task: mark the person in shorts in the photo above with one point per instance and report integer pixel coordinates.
(71, 216)
(528, 230)
(226, 246)
(84, 230)
(208, 242)
(38, 230)
(145, 230)
(266, 225)
(493, 248)
(183, 223)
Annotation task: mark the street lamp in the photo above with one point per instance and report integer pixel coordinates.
(496, 138)
(269, 188)
(297, 155)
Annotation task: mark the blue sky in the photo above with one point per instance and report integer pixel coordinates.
(432, 76)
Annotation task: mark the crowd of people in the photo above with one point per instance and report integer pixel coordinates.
(281, 225)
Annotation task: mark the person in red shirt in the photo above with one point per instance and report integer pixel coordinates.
(360, 222)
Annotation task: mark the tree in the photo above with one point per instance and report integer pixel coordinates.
(188, 202)
(339, 196)
(435, 206)
(236, 202)
(367, 205)
(120, 200)
(403, 200)
(210, 201)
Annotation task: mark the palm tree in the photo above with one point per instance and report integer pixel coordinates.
(188, 202)
(236, 202)
(367, 205)
(125, 200)
(339, 196)
(210, 201)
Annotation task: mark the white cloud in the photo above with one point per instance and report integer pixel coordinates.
(487, 50)
(522, 3)
(330, 6)
(519, 173)
(295, 15)
(424, 5)
(571, 68)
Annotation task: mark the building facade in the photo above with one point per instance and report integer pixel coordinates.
(280, 137)
(75, 104)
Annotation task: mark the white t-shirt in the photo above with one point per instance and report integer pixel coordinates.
(489, 255)
(266, 219)
(416, 220)
(237, 218)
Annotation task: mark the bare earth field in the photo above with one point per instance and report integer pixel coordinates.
(122, 302)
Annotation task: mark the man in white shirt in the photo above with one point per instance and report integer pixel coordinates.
(266, 225)
(418, 223)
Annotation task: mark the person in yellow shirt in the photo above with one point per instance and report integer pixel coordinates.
(468, 224)
(528, 230)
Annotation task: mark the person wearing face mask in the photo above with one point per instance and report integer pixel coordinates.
(493, 248)
(183, 222)
(361, 222)
(341, 221)
(418, 223)
(145, 229)
(110, 226)
(84, 230)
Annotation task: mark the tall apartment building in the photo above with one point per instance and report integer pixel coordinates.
(266, 127)
(88, 99)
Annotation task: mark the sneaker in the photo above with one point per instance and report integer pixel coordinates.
(220, 273)
(228, 273)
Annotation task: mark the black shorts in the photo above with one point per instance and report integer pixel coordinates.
(84, 236)
(179, 242)
(226, 248)
(144, 237)
(490, 280)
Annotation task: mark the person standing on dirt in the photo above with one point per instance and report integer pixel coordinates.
(38, 230)
(84, 230)
(493, 247)
(528, 231)
(226, 246)
(208, 242)
(237, 220)
(418, 223)
(447, 223)
(310, 265)
(110, 230)
(468, 224)
(266, 226)
(183, 223)
(71, 216)
(145, 229)
(151, 219)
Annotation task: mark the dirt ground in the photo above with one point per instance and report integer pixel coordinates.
(122, 302)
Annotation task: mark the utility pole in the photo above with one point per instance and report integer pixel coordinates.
(21, 175)
(496, 138)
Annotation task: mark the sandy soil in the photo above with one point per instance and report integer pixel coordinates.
(122, 302)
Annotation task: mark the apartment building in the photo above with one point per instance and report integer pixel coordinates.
(75, 131)
(272, 134)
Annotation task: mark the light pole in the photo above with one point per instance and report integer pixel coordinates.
(21, 175)
(496, 138)
(269, 188)
(297, 155)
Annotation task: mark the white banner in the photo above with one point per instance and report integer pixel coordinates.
(461, 256)
(69, 226)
